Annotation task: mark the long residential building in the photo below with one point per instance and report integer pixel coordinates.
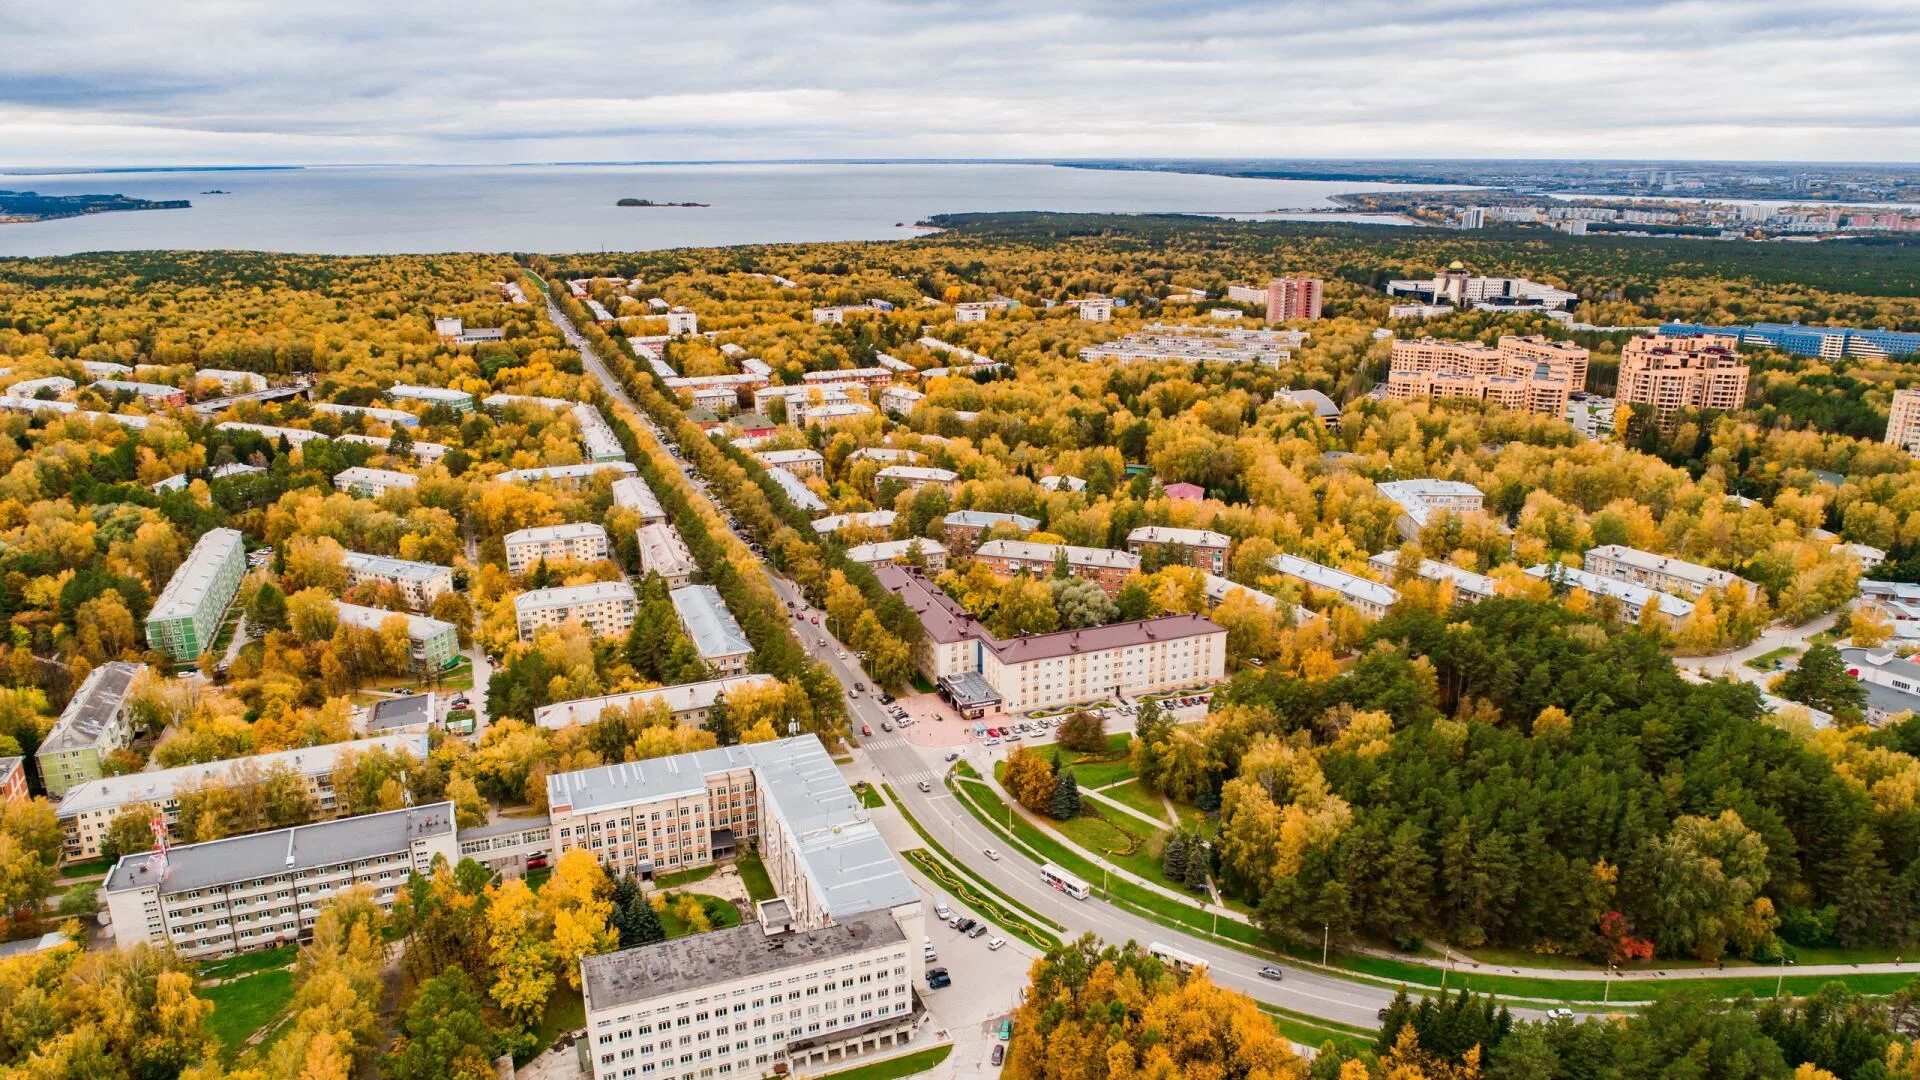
(598, 436)
(977, 671)
(662, 552)
(1662, 375)
(1421, 500)
(371, 483)
(914, 477)
(94, 724)
(1526, 373)
(1826, 342)
(688, 703)
(1366, 596)
(716, 636)
(1203, 548)
(606, 608)
(457, 400)
(1106, 566)
(797, 492)
(88, 808)
(962, 529)
(1662, 573)
(801, 462)
(183, 621)
(435, 643)
(879, 520)
(840, 933)
(1199, 344)
(259, 891)
(567, 476)
(1633, 598)
(420, 582)
(1468, 587)
(932, 553)
(394, 417)
(579, 541)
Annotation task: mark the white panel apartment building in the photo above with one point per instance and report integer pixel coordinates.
(580, 541)
(371, 483)
(689, 703)
(85, 811)
(1660, 573)
(632, 493)
(716, 636)
(606, 608)
(256, 892)
(827, 971)
(420, 582)
(1369, 598)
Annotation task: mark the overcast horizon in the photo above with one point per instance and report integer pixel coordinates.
(119, 84)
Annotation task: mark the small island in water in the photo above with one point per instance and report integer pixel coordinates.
(650, 202)
(24, 206)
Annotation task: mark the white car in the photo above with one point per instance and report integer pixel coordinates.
(1560, 1013)
(942, 912)
(991, 854)
(994, 943)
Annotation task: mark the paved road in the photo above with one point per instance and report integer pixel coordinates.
(901, 764)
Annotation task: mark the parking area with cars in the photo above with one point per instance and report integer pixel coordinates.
(979, 984)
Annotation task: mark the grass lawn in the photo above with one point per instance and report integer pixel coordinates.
(1133, 793)
(869, 795)
(244, 1006)
(721, 913)
(894, 1068)
(684, 877)
(92, 868)
(565, 1012)
(264, 960)
(982, 901)
(753, 874)
(1308, 1031)
(969, 873)
(1764, 662)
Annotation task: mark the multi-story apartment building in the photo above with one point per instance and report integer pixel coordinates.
(1661, 573)
(13, 779)
(256, 892)
(1106, 566)
(722, 645)
(1528, 373)
(978, 310)
(420, 582)
(900, 400)
(567, 477)
(394, 417)
(1420, 501)
(293, 436)
(977, 671)
(182, 623)
(682, 320)
(880, 521)
(1369, 598)
(933, 554)
(1826, 342)
(1903, 420)
(1534, 393)
(370, 483)
(1200, 344)
(1564, 360)
(233, 382)
(1294, 298)
(606, 608)
(156, 394)
(1092, 308)
(596, 435)
(797, 491)
(830, 966)
(962, 529)
(435, 643)
(632, 493)
(93, 725)
(802, 462)
(1203, 548)
(1468, 587)
(688, 703)
(579, 541)
(663, 552)
(1633, 599)
(914, 477)
(88, 808)
(457, 400)
(1662, 375)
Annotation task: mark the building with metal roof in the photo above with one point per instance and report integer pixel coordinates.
(1633, 598)
(688, 703)
(93, 725)
(797, 492)
(722, 645)
(435, 643)
(1365, 596)
(457, 400)
(606, 608)
(420, 582)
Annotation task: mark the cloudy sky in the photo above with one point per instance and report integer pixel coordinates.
(116, 82)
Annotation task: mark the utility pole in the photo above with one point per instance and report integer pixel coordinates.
(1326, 941)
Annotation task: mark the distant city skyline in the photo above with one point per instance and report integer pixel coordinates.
(114, 83)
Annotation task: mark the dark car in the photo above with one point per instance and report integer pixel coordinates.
(977, 930)
(937, 978)
(999, 1052)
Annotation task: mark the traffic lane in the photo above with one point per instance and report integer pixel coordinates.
(1013, 874)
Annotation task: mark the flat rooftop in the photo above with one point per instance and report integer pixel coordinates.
(542, 534)
(396, 569)
(570, 595)
(670, 968)
(113, 791)
(282, 851)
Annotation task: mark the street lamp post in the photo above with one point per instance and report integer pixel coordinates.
(1326, 941)
(1606, 985)
(1781, 982)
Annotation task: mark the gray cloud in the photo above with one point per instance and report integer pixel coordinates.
(223, 81)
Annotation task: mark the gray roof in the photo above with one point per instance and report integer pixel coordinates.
(1321, 404)
(400, 712)
(395, 569)
(708, 622)
(283, 851)
(797, 492)
(984, 519)
(191, 581)
(722, 956)
(160, 785)
(100, 698)
(419, 627)
(850, 865)
(1634, 595)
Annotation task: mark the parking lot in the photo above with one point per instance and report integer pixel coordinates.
(985, 990)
